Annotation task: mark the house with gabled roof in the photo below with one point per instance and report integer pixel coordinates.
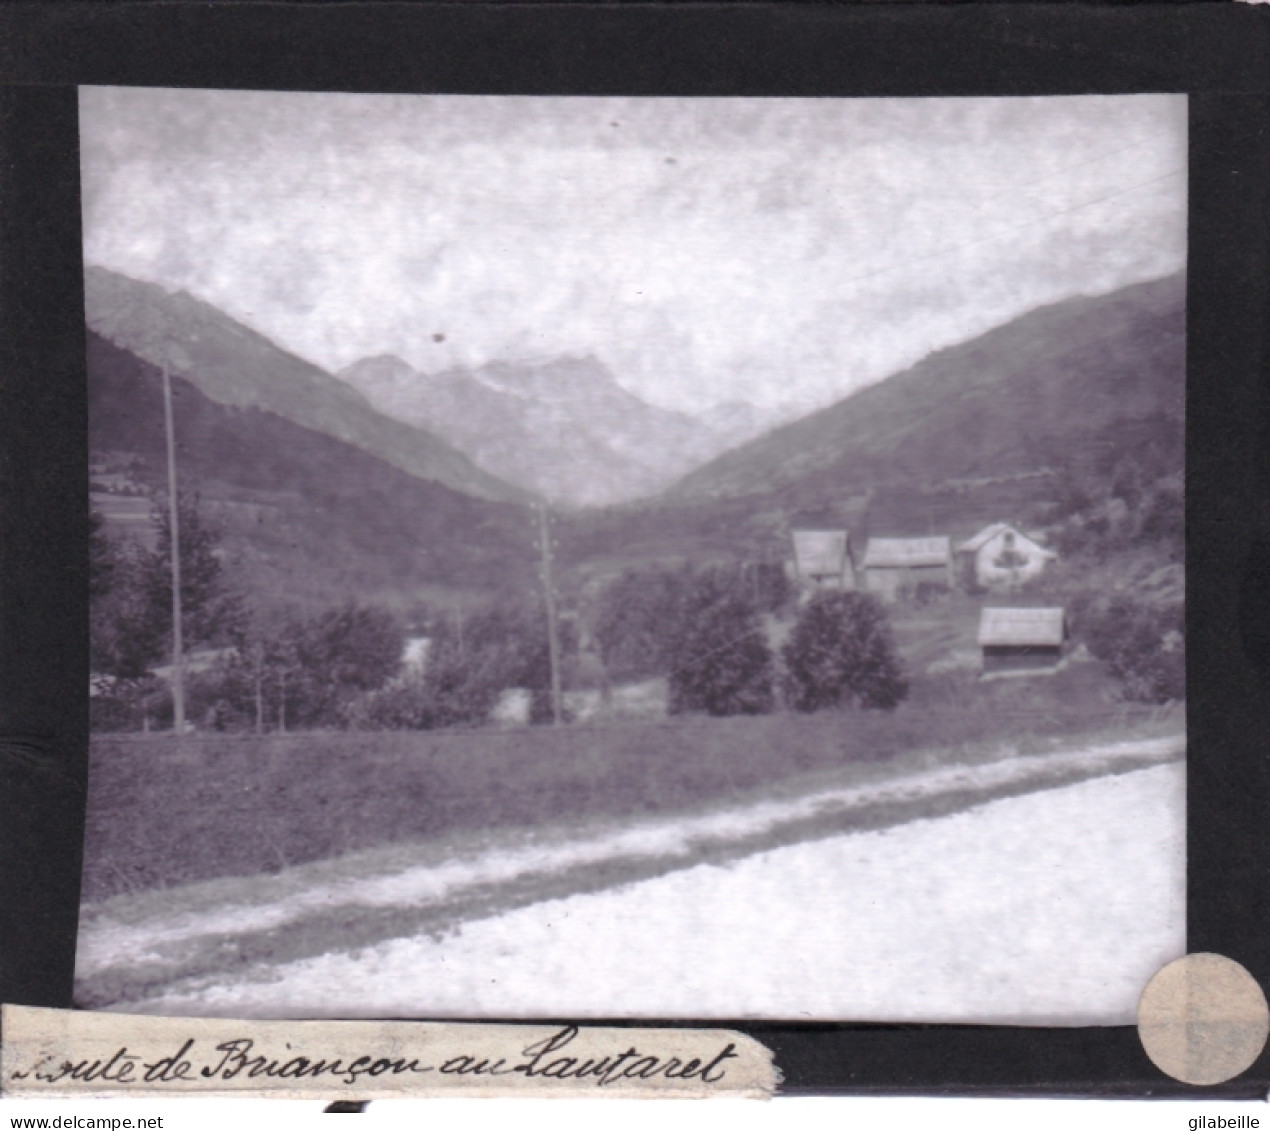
(823, 559)
(894, 565)
(1022, 641)
(1001, 556)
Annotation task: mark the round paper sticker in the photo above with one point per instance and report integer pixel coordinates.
(1203, 1019)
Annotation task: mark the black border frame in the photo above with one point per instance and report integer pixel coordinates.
(1217, 53)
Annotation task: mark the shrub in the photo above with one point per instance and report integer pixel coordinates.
(1164, 516)
(720, 660)
(1159, 676)
(766, 584)
(343, 653)
(1142, 644)
(635, 622)
(842, 652)
(446, 694)
(469, 665)
(130, 607)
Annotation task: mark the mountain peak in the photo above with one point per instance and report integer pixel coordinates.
(564, 426)
(232, 364)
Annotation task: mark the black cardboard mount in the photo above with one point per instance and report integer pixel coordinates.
(1217, 53)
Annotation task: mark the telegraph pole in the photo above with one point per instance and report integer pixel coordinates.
(549, 591)
(174, 541)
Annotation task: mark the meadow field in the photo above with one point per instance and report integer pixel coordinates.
(270, 856)
(165, 811)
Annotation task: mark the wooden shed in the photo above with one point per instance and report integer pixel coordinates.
(1022, 641)
(892, 565)
(1001, 557)
(823, 559)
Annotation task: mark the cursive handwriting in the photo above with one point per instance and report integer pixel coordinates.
(629, 1065)
(238, 1059)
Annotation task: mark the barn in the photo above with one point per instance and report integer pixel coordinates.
(1001, 557)
(1026, 641)
(894, 565)
(823, 559)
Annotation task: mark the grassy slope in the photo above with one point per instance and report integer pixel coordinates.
(1054, 384)
(160, 816)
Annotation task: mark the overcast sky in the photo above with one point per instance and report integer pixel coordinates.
(783, 251)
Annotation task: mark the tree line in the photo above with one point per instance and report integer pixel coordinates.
(704, 630)
(274, 671)
(1136, 505)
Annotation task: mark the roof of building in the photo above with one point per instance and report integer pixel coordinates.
(1022, 626)
(906, 552)
(970, 545)
(973, 545)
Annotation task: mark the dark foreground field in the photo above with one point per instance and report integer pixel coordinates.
(163, 813)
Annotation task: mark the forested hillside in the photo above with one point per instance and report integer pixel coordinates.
(232, 364)
(306, 518)
(1078, 382)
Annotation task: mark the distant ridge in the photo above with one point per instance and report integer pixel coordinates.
(306, 518)
(1064, 383)
(563, 427)
(234, 365)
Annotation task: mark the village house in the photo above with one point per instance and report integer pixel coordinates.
(896, 565)
(1018, 641)
(1001, 557)
(823, 560)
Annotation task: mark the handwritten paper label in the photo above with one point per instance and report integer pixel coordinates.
(53, 1052)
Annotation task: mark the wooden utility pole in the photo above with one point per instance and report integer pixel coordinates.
(174, 543)
(549, 592)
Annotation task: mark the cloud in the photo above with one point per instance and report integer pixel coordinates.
(784, 251)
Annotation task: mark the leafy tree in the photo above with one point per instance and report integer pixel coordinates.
(504, 647)
(262, 684)
(766, 583)
(638, 615)
(1163, 516)
(1128, 482)
(842, 652)
(337, 656)
(635, 621)
(130, 592)
(719, 657)
(456, 688)
(1142, 644)
(470, 662)
(127, 634)
(210, 611)
(126, 639)
(101, 558)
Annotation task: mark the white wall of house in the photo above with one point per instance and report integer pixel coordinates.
(992, 561)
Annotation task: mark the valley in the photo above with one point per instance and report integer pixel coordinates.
(971, 436)
(981, 432)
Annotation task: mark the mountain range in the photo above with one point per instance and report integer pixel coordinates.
(979, 432)
(232, 364)
(323, 495)
(562, 427)
(306, 519)
(1072, 381)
